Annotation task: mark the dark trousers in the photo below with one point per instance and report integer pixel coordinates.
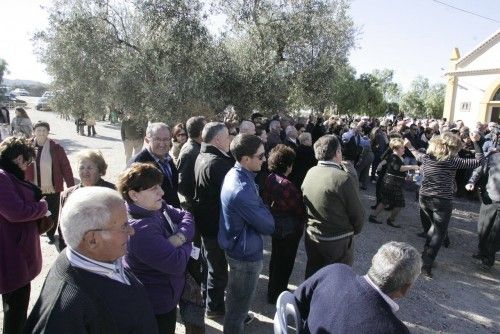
(436, 213)
(166, 322)
(323, 253)
(15, 309)
(281, 264)
(488, 230)
(375, 162)
(216, 274)
(53, 202)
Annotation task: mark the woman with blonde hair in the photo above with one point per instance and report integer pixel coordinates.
(394, 178)
(91, 168)
(439, 165)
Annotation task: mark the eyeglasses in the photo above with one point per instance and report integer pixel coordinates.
(161, 140)
(124, 228)
(260, 156)
(233, 133)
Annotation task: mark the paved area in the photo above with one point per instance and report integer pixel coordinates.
(461, 298)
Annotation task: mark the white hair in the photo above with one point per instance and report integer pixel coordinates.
(274, 124)
(247, 127)
(154, 127)
(87, 208)
(395, 265)
(305, 137)
(290, 129)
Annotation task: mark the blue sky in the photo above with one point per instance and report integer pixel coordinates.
(412, 37)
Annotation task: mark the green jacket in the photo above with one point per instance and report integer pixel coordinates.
(333, 204)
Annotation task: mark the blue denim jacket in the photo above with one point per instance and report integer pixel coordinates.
(244, 216)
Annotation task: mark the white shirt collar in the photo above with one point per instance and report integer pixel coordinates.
(114, 270)
(392, 303)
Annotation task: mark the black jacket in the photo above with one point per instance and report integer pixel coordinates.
(77, 301)
(304, 160)
(170, 190)
(185, 166)
(210, 169)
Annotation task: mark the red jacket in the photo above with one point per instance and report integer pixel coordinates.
(61, 169)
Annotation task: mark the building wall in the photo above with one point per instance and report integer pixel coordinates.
(471, 90)
(489, 59)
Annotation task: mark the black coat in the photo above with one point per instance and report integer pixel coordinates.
(185, 166)
(210, 169)
(170, 196)
(304, 160)
(74, 300)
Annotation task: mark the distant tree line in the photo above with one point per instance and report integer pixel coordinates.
(158, 59)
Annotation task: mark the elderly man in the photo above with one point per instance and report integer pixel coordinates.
(291, 135)
(336, 300)
(156, 151)
(247, 127)
(87, 289)
(244, 219)
(273, 137)
(335, 211)
(211, 167)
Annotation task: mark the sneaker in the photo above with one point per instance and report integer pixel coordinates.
(249, 318)
(214, 314)
(373, 219)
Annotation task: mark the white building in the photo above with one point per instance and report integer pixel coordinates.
(473, 84)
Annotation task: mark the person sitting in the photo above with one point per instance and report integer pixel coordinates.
(87, 289)
(362, 304)
(159, 251)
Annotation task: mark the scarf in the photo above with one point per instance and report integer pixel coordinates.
(45, 170)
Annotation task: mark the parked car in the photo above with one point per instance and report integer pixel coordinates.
(20, 92)
(43, 103)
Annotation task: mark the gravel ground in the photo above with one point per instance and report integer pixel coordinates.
(462, 298)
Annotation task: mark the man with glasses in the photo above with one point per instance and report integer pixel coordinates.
(156, 151)
(87, 289)
(244, 219)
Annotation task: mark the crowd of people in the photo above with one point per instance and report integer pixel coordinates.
(183, 225)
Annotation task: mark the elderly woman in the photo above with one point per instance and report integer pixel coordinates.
(179, 138)
(91, 169)
(21, 206)
(159, 251)
(49, 171)
(21, 124)
(289, 213)
(394, 178)
(439, 166)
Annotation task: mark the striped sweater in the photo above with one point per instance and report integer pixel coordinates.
(439, 175)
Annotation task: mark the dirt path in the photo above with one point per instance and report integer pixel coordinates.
(461, 298)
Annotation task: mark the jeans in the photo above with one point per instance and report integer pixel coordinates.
(91, 130)
(216, 275)
(242, 284)
(281, 264)
(436, 213)
(15, 309)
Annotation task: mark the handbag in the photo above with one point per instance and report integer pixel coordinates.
(44, 224)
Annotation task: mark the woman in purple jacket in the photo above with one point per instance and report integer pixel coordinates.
(21, 205)
(159, 251)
